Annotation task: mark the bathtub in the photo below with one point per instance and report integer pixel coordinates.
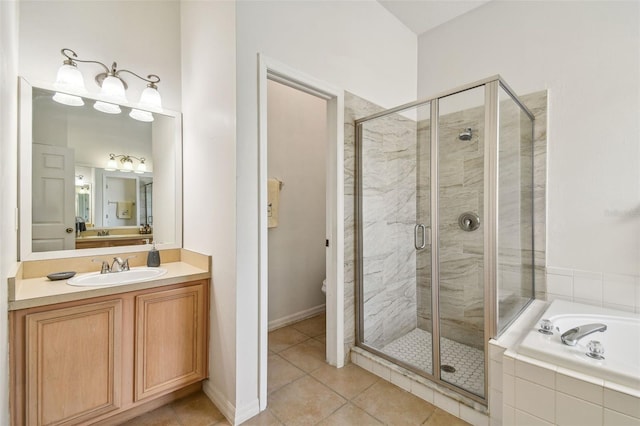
(621, 341)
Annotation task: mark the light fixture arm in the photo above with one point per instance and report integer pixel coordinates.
(72, 60)
(152, 79)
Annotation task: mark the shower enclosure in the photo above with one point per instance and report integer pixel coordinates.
(445, 230)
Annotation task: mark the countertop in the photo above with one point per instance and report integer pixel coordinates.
(40, 291)
(115, 237)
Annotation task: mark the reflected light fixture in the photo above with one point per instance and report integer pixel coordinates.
(141, 115)
(113, 87)
(126, 163)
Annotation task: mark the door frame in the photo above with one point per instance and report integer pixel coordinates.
(270, 69)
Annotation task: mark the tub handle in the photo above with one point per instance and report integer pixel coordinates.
(546, 327)
(596, 350)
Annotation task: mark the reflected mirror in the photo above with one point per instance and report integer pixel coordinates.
(93, 180)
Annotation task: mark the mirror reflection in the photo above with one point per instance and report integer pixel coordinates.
(93, 176)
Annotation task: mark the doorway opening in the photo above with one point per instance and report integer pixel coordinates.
(332, 99)
(296, 197)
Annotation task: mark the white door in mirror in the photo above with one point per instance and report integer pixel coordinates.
(134, 275)
(53, 217)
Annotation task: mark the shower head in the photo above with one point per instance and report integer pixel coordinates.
(466, 134)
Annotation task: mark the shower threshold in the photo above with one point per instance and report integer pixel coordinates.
(414, 348)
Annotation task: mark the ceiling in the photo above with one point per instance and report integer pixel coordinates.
(422, 15)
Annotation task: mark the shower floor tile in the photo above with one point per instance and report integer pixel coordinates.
(414, 348)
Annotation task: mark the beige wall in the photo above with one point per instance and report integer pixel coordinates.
(209, 148)
(297, 147)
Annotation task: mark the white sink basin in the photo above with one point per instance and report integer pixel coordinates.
(135, 275)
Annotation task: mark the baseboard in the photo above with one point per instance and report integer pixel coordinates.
(226, 408)
(234, 416)
(247, 411)
(298, 316)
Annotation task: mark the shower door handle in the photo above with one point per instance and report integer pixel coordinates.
(421, 230)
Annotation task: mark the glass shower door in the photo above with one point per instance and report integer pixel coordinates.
(394, 265)
(445, 230)
(460, 252)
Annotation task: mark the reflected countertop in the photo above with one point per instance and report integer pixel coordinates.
(114, 237)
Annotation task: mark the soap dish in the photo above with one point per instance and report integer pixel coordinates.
(56, 276)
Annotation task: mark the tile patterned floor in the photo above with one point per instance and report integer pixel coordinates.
(304, 390)
(415, 348)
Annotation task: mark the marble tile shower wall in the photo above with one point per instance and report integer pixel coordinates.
(460, 189)
(388, 218)
(463, 282)
(354, 108)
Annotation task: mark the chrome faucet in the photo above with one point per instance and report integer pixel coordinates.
(104, 269)
(571, 337)
(117, 265)
(120, 265)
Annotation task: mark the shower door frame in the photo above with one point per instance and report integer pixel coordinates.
(491, 315)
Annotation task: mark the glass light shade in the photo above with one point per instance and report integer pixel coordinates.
(112, 165)
(150, 99)
(140, 115)
(107, 108)
(69, 79)
(141, 167)
(113, 89)
(127, 165)
(63, 98)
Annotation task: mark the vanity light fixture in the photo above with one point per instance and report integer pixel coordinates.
(126, 162)
(69, 79)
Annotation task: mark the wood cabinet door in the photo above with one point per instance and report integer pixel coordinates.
(170, 339)
(73, 360)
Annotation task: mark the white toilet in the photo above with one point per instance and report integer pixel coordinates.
(324, 286)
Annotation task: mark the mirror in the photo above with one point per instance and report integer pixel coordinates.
(92, 180)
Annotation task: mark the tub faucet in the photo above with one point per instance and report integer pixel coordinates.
(571, 337)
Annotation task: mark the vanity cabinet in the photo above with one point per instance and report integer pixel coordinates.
(100, 359)
(73, 362)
